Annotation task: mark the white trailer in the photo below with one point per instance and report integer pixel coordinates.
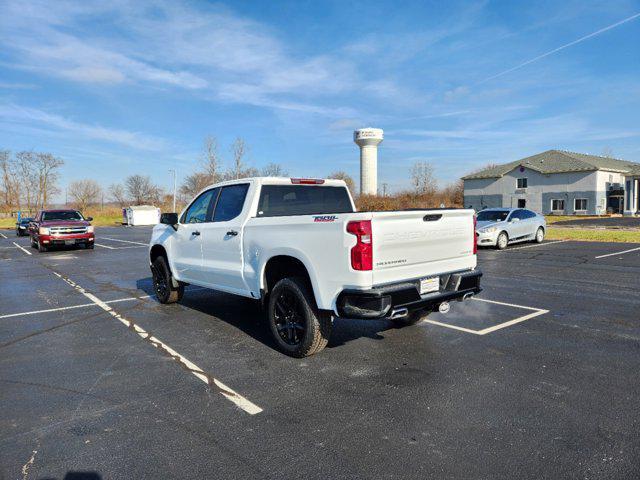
(141, 215)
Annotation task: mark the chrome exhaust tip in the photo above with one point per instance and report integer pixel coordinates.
(399, 313)
(467, 296)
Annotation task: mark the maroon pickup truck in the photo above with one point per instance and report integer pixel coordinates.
(60, 227)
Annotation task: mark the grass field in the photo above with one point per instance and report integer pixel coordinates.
(593, 234)
(551, 219)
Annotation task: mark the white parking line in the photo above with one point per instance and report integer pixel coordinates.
(536, 312)
(619, 253)
(22, 248)
(60, 309)
(536, 245)
(224, 390)
(3, 235)
(84, 305)
(120, 248)
(104, 246)
(125, 241)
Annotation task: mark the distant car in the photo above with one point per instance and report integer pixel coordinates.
(498, 227)
(22, 227)
(61, 228)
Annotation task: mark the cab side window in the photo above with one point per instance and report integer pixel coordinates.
(200, 210)
(230, 202)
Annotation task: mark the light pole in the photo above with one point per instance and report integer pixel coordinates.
(175, 175)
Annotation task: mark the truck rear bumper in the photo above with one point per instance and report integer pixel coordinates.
(381, 302)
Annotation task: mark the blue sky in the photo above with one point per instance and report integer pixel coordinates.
(117, 88)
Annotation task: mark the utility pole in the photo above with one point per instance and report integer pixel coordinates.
(384, 189)
(175, 175)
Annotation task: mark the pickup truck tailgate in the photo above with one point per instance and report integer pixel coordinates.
(413, 244)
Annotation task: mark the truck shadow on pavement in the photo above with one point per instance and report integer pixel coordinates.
(76, 476)
(247, 316)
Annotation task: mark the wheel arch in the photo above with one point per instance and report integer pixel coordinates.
(158, 251)
(283, 266)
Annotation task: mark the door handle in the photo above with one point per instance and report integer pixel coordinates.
(232, 233)
(196, 233)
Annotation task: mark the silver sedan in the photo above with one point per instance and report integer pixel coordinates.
(498, 227)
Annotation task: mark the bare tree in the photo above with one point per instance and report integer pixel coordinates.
(212, 160)
(239, 151)
(454, 193)
(194, 183)
(28, 172)
(116, 192)
(84, 193)
(274, 170)
(10, 185)
(47, 166)
(141, 189)
(341, 175)
(422, 178)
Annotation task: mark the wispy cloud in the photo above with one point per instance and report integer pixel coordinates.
(566, 45)
(39, 118)
(207, 49)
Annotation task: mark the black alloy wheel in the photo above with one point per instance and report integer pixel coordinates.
(163, 282)
(288, 317)
(299, 328)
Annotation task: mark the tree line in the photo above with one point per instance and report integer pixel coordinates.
(30, 180)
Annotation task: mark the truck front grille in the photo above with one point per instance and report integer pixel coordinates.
(67, 230)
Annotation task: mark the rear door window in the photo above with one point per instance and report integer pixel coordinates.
(230, 202)
(281, 200)
(516, 214)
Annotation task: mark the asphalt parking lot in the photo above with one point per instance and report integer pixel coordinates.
(537, 378)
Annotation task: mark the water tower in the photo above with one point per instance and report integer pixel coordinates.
(368, 140)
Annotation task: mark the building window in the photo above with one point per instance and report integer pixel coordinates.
(557, 204)
(522, 183)
(580, 204)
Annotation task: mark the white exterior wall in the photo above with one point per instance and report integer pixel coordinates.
(541, 190)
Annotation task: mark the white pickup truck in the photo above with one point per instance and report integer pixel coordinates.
(300, 247)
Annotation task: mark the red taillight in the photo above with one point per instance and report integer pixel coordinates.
(307, 181)
(362, 252)
(475, 237)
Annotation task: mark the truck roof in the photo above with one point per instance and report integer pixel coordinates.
(326, 182)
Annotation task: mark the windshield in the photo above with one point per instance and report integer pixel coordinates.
(493, 216)
(26, 220)
(67, 215)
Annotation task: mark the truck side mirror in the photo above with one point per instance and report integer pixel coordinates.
(89, 219)
(169, 219)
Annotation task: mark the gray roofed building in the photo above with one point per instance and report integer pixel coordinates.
(557, 181)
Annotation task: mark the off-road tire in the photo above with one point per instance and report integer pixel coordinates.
(539, 236)
(89, 246)
(502, 245)
(163, 282)
(41, 247)
(316, 323)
